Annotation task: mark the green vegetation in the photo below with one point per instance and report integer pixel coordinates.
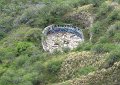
(85, 70)
(23, 61)
(113, 58)
(103, 48)
(86, 46)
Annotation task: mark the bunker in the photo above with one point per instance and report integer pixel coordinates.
(59, 37)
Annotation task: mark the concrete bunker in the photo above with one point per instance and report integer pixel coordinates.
(58, 37)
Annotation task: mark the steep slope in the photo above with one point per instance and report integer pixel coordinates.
(94, 62)
(108, 76)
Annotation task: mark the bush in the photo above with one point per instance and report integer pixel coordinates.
(114, 15)
(57, 52)
(113, 57)
(54, 67)
(6, 23)
(96, 30)
(103, 10)
(2, 70)
(86, 46)
(117, 1)
(33, 35)
(113, 29)
(28, 16)
(10, 78)
(2, 4)
(103, 48)
(111, 32)
(60, 9)
(83, 2)
(22, 47)
(2, 35)
(66, 49)
(18, 62)
(117, 37)
(7, 55)
(85, 70)
(96, 2)
(103, 39)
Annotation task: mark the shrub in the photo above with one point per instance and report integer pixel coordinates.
(113, 57)
(57, 52)
(28, 16)
(103, 48)
(86, 46)
(83, 2)
(117, 37)
(111, 32)
(103, 39)
(2, 35)
(96, 29)
(52, 69)
(7, 54)
(54, 66)
(96, 2)
(114, 15)
(2, 4)
(32, 76)
(33, 35)
(97, 48)
(6, 23)
(103, 10)
(22, 46)
(117, 1)
(18, 62)
(37, 66)
(9, 78)
(66, 50)
(2, 70)
(85, 70)
(113, 29)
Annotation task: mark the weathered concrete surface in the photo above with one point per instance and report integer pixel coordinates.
(61, 37)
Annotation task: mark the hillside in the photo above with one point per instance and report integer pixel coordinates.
(23, 61)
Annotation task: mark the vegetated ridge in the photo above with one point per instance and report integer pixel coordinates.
(23, 61)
